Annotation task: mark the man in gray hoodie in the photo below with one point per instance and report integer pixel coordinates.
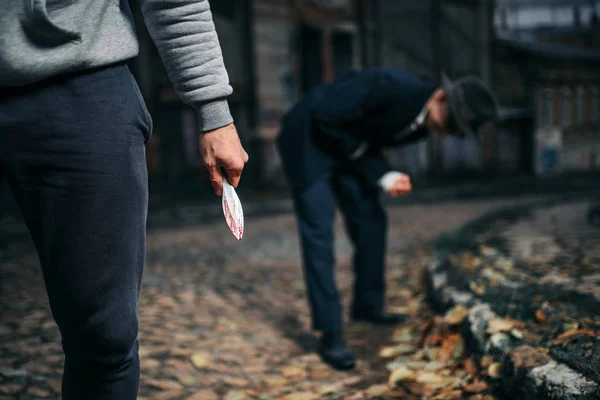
(73, 129)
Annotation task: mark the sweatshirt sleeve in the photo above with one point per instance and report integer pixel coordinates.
(185, 36)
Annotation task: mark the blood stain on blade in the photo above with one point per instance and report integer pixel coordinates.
(232, 208)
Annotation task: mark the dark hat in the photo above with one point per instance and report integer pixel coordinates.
(472, 105)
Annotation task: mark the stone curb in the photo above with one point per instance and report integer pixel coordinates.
(526, 373)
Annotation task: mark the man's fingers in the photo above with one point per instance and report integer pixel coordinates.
(400, 189)
(234, 171)
(216, 180)
(403, 187)
(233, 177)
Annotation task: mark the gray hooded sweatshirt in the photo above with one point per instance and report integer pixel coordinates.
(43, 38)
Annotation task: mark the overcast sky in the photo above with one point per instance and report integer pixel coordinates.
(530, 17)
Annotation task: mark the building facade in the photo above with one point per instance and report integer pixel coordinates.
(547, 73)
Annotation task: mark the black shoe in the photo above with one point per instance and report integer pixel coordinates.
(379, 318)
(334, 351)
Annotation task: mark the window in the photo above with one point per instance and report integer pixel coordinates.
(595, 104)
(579, 105)
(566, 107)
(546, 114)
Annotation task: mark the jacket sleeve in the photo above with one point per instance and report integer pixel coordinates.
(371, 167)
(184, 34)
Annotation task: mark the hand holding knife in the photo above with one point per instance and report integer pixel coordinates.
(224, 158)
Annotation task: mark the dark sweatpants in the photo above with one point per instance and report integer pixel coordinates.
(73, 152)
(366, 224)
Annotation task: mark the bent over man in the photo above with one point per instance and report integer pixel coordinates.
(331, 148)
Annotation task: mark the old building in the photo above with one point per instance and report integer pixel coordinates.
(547, 70)
(554, 87)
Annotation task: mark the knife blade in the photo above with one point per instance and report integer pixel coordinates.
(232, 210)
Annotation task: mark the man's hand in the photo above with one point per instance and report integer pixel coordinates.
(222, 152)
(401, 187)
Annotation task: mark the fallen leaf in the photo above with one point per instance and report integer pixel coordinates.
(505, 264)
(200, 360)
(274, 381)
(399, 309)
(499, 325)
(471, 366)
(404, 335)
(356, 396)
(486, 361)
(487, 251)
(302, 396)
(143, 352)
(451, 395)
(476, 387)
(186, 380)
(478, 289)
(400, 362)
(148, 364)
(517, 334)
(456, 315)
(420, 389)
(433, 339)
(394, 351)
(416, 365)
(328, 388)
(377, 390)
(236, 382)
(566, 337)
(469, 261)
(235, 395)
(353, 380)
(169, 395)
(320, 373)
(205, 394)
(495, 370)
(569, 334)
(433, 366)
(540, 316)
(452, 348)
(400, 375)
(164, 384)
(427, 377)
(293, 371)
(481, 397)
(431, 353)
(570, 326)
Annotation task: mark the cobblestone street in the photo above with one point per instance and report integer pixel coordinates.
(222, 319)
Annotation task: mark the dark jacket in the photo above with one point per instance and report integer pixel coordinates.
(331, 121)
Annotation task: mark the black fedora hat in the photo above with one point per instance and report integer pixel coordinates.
(472, 105)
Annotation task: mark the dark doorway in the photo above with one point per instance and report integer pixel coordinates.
(311, 44)
(343, 52)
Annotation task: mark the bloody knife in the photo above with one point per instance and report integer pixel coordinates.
(232, 209)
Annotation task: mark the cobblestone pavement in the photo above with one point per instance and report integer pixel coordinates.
(222, 319)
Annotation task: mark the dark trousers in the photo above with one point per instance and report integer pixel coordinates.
(366, 225)
(73, 152)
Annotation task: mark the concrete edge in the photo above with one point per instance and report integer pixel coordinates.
(527, 373)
